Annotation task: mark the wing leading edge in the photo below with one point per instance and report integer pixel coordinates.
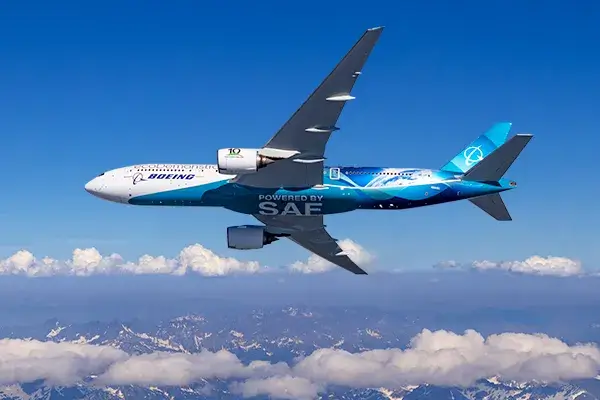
(310, 233)
(307, 132)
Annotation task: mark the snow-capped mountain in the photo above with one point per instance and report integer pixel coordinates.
(269, 334)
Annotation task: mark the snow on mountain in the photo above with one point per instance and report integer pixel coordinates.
(265, 334)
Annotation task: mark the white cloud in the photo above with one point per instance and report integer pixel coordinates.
(535, 265)
(85, 262)
(57, 363)
(440, 357)
(316, 264)
(446, 358)
(192, 259)
(179, 369)
(279, 387)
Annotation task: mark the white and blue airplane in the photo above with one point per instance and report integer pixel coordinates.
(286, 186)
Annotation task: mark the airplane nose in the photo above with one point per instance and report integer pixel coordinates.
(104, 189)
(93, 187)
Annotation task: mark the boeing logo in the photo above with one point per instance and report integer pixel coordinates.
(171, 176)
(473, 155)
(139, 177)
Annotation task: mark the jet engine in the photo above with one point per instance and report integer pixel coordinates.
(235, 161)
(248, 237)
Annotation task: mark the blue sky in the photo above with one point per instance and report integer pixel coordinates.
(90, 86)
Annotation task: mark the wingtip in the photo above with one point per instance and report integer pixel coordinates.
(377, 28)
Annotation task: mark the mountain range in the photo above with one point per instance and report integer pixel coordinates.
(274, 334)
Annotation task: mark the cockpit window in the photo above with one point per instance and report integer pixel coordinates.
(101, 174)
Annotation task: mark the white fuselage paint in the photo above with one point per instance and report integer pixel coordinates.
(121, 184)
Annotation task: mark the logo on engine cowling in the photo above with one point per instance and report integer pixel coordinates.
(235, 153)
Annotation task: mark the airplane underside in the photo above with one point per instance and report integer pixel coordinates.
(304, 202)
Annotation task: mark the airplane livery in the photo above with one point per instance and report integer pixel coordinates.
(286, 186)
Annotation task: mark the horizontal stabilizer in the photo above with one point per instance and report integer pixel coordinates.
(493, 205)
(494, 166)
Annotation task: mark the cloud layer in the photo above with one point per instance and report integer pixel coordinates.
(192, 259)
(535, 265)
(440, 357)
(197, 259)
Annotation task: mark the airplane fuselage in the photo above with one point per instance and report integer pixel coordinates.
(344, 189)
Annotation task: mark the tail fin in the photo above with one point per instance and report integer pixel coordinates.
(492, 169)
(493, 205)
(480, 148)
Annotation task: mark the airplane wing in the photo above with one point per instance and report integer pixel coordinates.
(307, 132)
(310, 233)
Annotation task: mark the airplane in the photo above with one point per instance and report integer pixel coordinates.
(286, 186)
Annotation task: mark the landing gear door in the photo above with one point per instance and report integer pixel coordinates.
(334, 173)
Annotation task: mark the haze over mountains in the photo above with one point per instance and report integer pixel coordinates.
(442, 334)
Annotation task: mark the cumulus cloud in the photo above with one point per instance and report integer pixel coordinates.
(447, 358)
(316, 264)
(434, 357)
(535, 265)
(85, 262)
(57, 363)
(192, 259)
(179, 369)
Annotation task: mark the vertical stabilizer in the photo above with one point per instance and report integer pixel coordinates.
(480, 148)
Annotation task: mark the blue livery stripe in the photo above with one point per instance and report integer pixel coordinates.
(480, 148)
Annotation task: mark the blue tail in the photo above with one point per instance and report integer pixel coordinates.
(479, 149)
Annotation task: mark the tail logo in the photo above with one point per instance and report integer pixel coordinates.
(473, 155)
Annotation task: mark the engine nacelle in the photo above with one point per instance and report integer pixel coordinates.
(235, 161)
(248, 237)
